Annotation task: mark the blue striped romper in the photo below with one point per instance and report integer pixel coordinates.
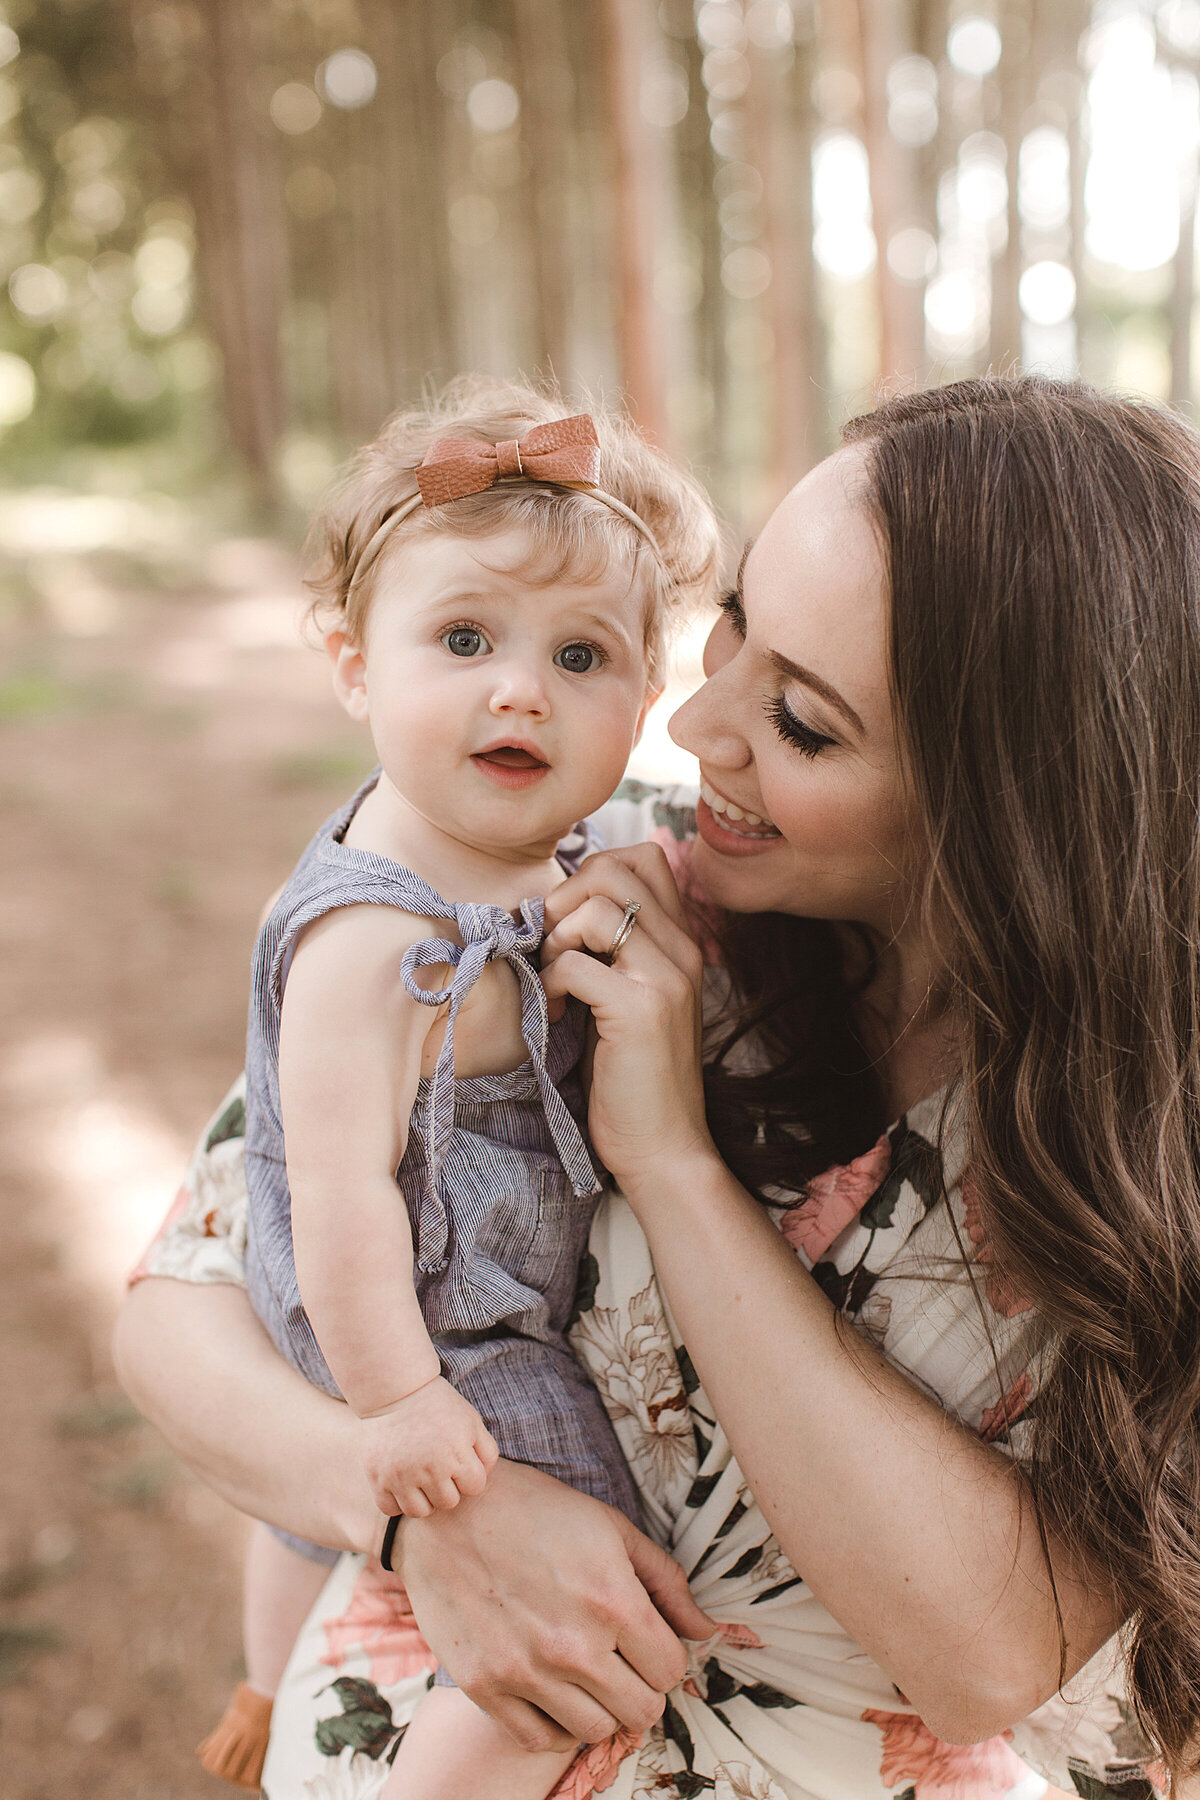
(496, 1176)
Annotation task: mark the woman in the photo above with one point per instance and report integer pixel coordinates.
(950, 748)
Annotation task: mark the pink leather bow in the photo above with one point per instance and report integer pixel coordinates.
(565, 450)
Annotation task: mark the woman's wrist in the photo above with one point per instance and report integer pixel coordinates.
(672, 1176)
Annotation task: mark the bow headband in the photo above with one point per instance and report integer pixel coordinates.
(563, 451)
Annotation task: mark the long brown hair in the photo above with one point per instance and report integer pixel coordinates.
(1043, 543)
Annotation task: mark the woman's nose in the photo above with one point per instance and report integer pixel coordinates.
(519, 688)
(706, 725)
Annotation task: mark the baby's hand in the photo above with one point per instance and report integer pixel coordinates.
(427, 1452)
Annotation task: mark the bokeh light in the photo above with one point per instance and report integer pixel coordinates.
(973, 46)
(844, 243)
(493, 105)
(348, 79)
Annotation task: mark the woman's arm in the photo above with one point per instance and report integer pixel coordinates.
(550, 1610)
(195, 1360)
(920, 1540)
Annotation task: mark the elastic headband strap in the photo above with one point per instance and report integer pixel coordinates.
(408, 507)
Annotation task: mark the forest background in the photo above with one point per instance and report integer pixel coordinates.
(233, 237)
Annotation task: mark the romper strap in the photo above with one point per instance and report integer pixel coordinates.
(489, 933)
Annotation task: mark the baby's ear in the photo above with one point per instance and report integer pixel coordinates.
(349, 674)
(652, 694)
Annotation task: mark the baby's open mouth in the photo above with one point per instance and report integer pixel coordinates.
(513, 766)
(509, 756)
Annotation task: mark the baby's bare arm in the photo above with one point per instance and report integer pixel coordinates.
(349, 1062)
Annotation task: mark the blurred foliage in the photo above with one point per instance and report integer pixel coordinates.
(233, 237)
(97, 249)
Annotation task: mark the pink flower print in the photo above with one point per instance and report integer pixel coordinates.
(379, 1621)
(1003, 1297)
(596, 1767)
(741, 1637)
(997, 1419)
(832, 1200)
(940, 1771)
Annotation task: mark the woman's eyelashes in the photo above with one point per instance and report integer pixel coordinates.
(735, 612)
(794, 731)
(576, 658)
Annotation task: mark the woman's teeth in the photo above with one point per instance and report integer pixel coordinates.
(735, 814)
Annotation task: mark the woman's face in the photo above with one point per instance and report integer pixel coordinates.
(794, 726)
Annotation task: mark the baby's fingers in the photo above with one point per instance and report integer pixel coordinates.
(412, 1502)
(487, 1449)
(443, 1494)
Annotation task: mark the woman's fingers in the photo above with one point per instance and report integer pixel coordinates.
(640, 873)
(667, 1586)
(532, 1729)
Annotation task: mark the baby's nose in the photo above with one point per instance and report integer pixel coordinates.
(520, 688)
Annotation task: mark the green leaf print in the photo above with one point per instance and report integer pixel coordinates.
(231, 1124)
(365, 1724)
(915, 1160)
(687, 1371)
(701, 1488)
(719, 1684)
(910, 1793)
(744, 1564)
(762, 1695)
(585, 1289)
(781, 1587)
(832, 1283)
(687, 1784)
(1126, 1781)
(736, 1512)
(678, 1734)
(862, 1281)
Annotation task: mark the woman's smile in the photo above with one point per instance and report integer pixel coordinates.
(731, 829)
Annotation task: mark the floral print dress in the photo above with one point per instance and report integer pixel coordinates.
(780, 1704)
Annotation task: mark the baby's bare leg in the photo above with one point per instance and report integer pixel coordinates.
(452, 1750)
(279, 1588)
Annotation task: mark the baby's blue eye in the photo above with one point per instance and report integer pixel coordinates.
(464, 640)
(578, 659)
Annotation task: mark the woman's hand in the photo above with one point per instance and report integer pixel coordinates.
(549, 1609)
(647, 1099)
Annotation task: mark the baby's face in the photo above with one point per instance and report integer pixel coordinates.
(502, 711)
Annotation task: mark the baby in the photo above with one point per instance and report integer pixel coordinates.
(496, 586)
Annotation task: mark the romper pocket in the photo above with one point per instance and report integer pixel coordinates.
(560, 1238)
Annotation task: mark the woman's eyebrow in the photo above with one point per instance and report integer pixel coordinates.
(809, 680)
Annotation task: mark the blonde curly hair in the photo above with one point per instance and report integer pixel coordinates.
(577, 536)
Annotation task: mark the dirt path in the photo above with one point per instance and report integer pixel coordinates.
(162, 760)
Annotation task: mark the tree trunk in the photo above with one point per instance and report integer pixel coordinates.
(781, 134)
(1004, 347)
(545, 72)
(637, 176)
(240, 226)
(884, 35)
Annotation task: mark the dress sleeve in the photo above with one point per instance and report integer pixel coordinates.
(203, 1237)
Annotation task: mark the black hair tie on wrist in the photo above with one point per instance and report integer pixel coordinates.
(389, 1542)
